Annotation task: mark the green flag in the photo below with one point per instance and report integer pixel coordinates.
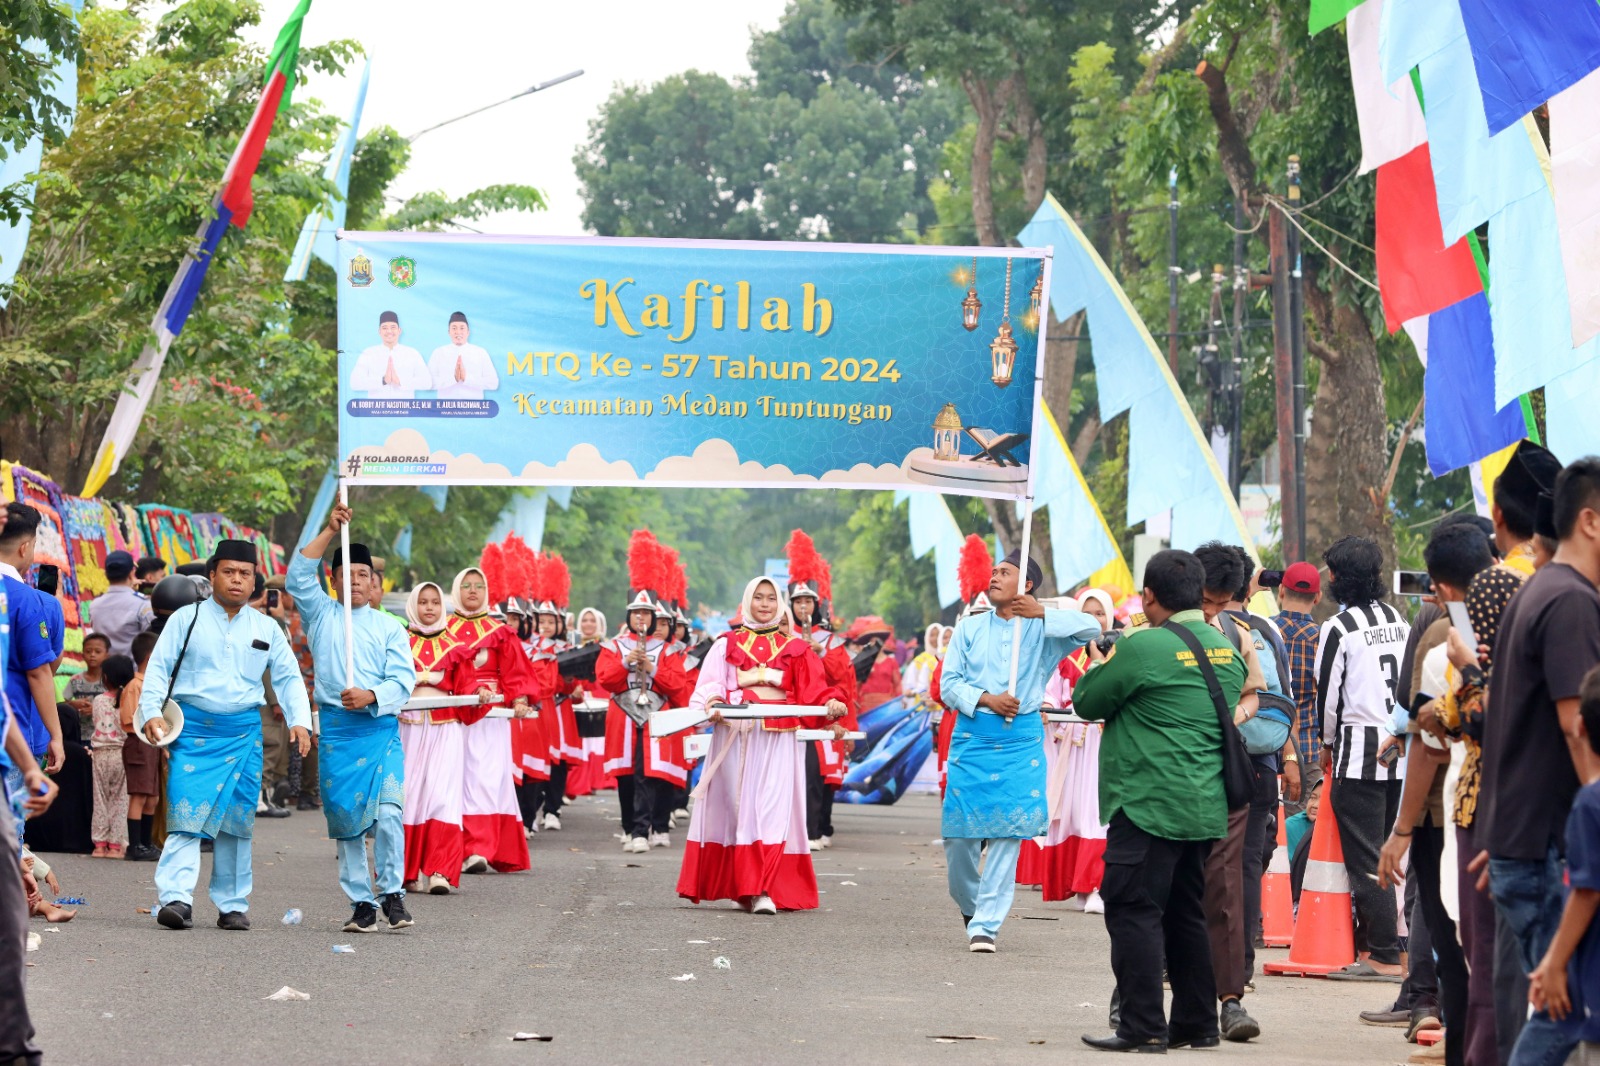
(1325, 13)
(286, 51)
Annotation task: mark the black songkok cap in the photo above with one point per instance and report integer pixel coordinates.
(360, 555)
(234, 551)
(1544, 520)
(388, 316)
(457, 316)
(1035, 575)
(1531, 471)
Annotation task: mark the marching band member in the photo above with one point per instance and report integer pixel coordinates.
(530, 742)
(1073, 860)
(588, 775)
(747, 832)
(489, 820)
(825, 759)
(633, 667)
(434, 745)
(362, 762)
(565, 747)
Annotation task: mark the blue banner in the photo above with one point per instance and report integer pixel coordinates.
(502, 360)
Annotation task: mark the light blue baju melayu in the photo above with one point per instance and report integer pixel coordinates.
(995, 775)
(361, 759)
(214, 776)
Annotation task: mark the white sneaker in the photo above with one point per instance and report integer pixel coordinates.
(438, 885)
(419, 885)
(475, 864)
(1076, 903)
(638, 845)
(660, 840)
(681, 813)
(552, 822)
(827, 841)
(672, 821)
(1094, 904)
(763, 905)
(816, 845)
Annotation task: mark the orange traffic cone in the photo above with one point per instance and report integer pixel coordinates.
(1277, 895)
(1324, 934)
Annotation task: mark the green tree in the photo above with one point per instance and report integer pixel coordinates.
(35, 35)
(817, 145)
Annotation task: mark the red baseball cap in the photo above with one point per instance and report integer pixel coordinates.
(1302, 578)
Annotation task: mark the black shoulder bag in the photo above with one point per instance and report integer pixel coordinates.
(1238, 775)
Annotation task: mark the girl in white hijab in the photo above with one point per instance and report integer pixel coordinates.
(433, 750)
(747, 833)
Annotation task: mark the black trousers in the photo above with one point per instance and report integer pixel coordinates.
(16, 1027)
(533, 795)
(1263, 804)
(1154, 890)
(819, 796)
(1366, 811)
(1427, 850)
(646, 801)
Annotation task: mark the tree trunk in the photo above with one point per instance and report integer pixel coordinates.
(987, 105)
(1028, 127)
(1346, 452)
(1061, 366)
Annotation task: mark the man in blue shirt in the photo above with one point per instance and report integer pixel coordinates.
(363, 764)
(210, 661)
(995, 775)
(30, 663)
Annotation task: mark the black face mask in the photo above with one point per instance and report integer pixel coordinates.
(524, 627)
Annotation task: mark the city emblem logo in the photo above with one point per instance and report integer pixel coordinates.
(402, 272)
(360, 271)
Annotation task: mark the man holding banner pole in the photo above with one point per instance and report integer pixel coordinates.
(995, 674)
(364, 675)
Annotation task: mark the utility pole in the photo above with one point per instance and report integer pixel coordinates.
(1283, 372)
(1297, 336)
(1241, 289)
(1174, 271)
(1219, 410)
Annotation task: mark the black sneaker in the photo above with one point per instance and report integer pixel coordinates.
(394, 909)
(141, 853)
(176, 915)
(307, 803)
(1236, 1025)
(364, 920)
(234, 921)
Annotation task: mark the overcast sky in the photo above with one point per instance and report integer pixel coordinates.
(433, 61)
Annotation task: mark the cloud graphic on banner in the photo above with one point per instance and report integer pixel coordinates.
(583, 463)
(718, 460)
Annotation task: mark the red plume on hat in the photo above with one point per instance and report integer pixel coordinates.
(521, 567)
(826, 580)
(670, 570)
(557, 580)
(805, 565)
(645, 571)
(975, 568)
(493, 564)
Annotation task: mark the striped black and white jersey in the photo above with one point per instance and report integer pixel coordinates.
(1358, 669)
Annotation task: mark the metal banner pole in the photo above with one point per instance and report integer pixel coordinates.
(1033, 440)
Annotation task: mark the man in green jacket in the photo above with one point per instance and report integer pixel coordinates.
(1161, 791)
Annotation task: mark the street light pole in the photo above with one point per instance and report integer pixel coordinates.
(478, 111)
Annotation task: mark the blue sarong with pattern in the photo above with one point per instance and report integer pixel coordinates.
(363, 766)
(214, 776)
(995, 778)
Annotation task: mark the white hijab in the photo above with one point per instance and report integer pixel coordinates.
(749, 618)
(1104, 599)
(599, 616)
(413, 615)
(455, 593)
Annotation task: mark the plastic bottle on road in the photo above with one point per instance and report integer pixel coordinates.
(292, 916)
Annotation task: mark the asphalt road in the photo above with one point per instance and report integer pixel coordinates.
(586, 947)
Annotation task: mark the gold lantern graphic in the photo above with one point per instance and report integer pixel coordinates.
(971, 305)
(947, 434)
(1003, 349)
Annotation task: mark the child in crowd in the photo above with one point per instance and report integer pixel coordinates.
(140, 762)
(84, 687)
(1298, 829)
(109, 829)
(1566, 985)
(36, 878)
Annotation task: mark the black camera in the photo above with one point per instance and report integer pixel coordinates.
(1106, 639)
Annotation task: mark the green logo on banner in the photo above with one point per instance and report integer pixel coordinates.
(402, 272)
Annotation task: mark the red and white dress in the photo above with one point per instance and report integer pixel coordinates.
(663, 757)
(1073, 858)
(490, 816)
(747, 832)
(434, 756)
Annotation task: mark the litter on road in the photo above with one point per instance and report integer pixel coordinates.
(288, 995)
